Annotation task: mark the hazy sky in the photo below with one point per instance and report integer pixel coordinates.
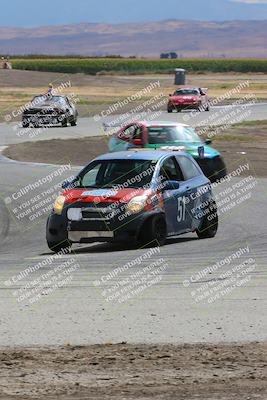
(49, 12)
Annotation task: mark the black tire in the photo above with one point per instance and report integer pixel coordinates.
(57, 247)
(207, 108)
(154, 232)
(178, 110)
(170, 110)
(73, 122)
(25, 124)
(217, 178)
(210, 224)
(64, 123)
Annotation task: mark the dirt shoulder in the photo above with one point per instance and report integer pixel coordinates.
(123, 371)
(82, 151)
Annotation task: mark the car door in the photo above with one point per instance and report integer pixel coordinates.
(194, 189)
(177, 218)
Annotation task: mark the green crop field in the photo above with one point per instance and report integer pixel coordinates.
(138, 66)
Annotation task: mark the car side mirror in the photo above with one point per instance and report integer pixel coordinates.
(208, 141)
(171, 185)
(69, 184)
(65, 184)
(137, 142)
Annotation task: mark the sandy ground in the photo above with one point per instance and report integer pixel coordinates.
(123, 371)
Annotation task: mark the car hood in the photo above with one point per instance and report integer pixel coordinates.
(191, 148)
(102, 195)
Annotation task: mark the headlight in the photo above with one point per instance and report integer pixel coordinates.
(136, 204)
(59, 204)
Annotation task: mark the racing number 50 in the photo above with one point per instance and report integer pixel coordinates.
(181, 209)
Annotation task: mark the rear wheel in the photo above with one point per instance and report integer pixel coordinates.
(154, 232)
(207, 107)
(210, 223)
(64, 123)
(73, 122)
(170, 110)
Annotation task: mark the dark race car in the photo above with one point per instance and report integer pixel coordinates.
(158, 134)
(188, 99)
(50, 110)
(136, 197)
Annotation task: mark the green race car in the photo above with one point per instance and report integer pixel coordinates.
(155, 135)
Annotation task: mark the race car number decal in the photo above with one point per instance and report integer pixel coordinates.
(181, 209)
(100, 192)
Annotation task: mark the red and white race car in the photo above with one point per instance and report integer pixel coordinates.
(189, 98)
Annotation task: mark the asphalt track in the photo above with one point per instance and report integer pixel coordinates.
(14, 133)
(168, 311)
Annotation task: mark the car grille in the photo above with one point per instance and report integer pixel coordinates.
(95, 212)
(34, 111)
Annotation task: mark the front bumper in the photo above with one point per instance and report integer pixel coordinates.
(96, 227)
(184, 106)
(52, 119)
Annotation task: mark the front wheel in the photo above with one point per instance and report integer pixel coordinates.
(154, 232)
(57, 247)
(25, 124)
(210, 223)
(73, 122)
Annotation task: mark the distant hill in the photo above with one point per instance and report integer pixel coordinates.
(187, 38)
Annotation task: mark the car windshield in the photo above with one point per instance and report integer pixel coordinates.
(172, 134)
(117, 174)
(186, 92)
(49, 100)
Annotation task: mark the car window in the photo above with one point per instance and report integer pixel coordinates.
(172, 134)
(90, 178)
(117, 173)
(170, 170)
(186, 92)
(190, 170)
(127, 133)
(68, 102)
(49, 100)
(137, 133)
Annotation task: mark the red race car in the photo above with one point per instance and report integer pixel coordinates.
(188, 98)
